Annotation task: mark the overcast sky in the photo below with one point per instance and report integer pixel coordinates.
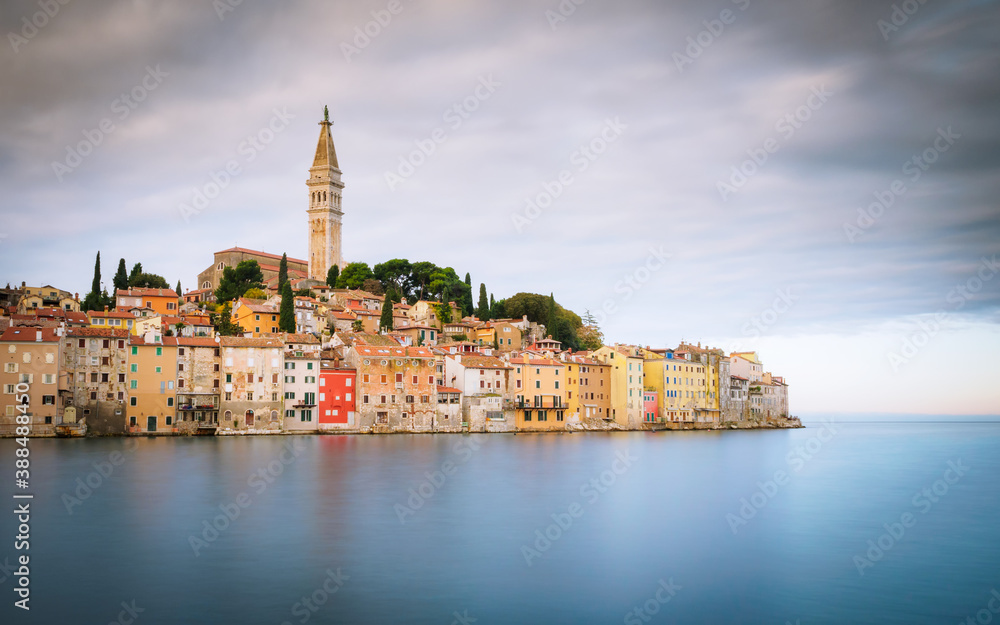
(697, 167)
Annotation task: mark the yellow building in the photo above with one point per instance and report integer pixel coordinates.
(152, 370)
(114, 319)
(539, 389)
(627, 382)
(255, 317)
(46, 296)
(588, 388)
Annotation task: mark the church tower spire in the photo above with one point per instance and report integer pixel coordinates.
(325, 212)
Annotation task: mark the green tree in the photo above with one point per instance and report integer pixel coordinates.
(238, 280)
(282, 273)
(385, 320)
(286, 318)
(483, 310)
(332, 275)
(550, 316)
(395, 273)
(373, 286)
(420, 277)
(121, 277)
(150, 281)
(255, 293)
(354, 275)
(133, 276)
(95, 299)
(497, 310)
(223, 321)
(358, 325)
(305, 293)
(467, 307)
(178, 289)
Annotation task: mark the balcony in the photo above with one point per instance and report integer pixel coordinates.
(197, 401)
(544, 402)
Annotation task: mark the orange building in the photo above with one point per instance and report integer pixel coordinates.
(161, 301)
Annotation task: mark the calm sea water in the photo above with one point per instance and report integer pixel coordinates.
(647, 528)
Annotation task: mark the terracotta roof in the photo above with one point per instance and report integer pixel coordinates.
(482, 362)
(102, 332)
(264, 254)
(524, 360)
(196, 341)
(239, 341)
(146, 292)
(165, 341)
(257, 306)
(379, 340)
(408, 352)
(301, 338)
(111, 314)
(448, 389)
(342, 315)
(29, 335)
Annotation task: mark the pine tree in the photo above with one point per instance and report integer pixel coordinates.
(286, 320)
(95, 286)
(467, 307)
(483, 310)
(282, 273)
(121, 277)
(385, 320)
(178, 289)
(332, 275)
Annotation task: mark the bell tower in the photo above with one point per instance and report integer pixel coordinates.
(324, 210)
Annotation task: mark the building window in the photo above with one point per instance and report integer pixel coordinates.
(527, 415)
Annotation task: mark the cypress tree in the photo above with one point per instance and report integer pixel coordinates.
(385, 320)
(95, 286)
(135, 275)
(178, 289)
(483, 310)
(286, 320)
(121, 277)
(332, 275)
(550, 319)
(282, 273)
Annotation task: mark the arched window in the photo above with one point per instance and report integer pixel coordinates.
(228, 416)
(274, 415)
(324, 196)
(222, 266)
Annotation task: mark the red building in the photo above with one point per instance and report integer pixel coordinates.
(337, 396)
(650, 406)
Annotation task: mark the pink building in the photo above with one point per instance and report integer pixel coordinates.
(650, 406)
